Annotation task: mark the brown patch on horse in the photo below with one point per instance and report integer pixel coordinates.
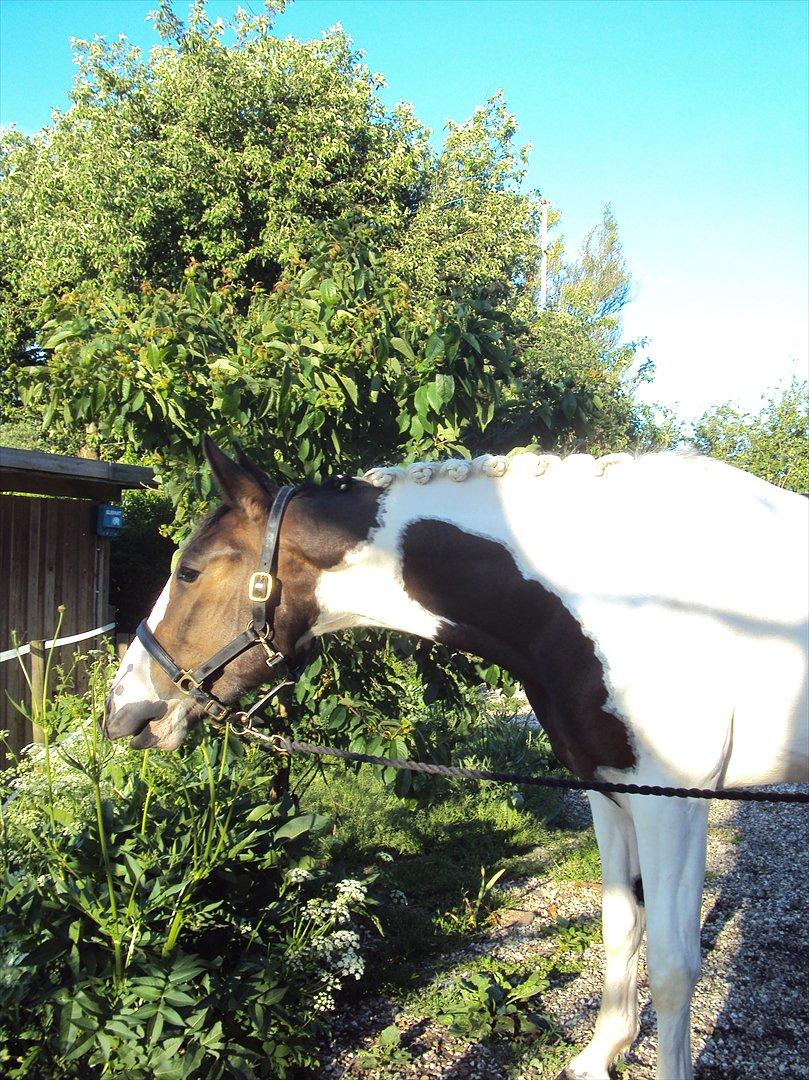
(508, 619)
(321, 526)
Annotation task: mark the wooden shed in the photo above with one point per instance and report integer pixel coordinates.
(51, 553)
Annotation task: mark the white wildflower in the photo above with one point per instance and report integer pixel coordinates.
(297, 875)
(351, 891)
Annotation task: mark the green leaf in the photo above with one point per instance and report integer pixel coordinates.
(303, 823)
(390, 1036)
(349, 386)
(434, 347)
(421, 401)
(403, 347)
(329, 293)
(569, 404)
(56, 339)
(445, 385)
(434, 397)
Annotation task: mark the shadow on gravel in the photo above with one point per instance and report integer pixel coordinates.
(762, 909)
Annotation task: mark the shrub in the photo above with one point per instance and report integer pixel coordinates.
(160, 917)
(499, 1002)
(140, 558)
(770, 444)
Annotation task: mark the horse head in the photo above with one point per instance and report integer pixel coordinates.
(167, 680)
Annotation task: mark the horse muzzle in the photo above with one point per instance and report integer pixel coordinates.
(131, 718)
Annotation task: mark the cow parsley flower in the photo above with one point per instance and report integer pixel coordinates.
(297, 875)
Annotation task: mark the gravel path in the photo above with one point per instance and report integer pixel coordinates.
(750, 1017)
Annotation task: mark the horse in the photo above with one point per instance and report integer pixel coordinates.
(654, 609)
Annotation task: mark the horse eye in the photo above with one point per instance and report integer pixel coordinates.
(185, 573)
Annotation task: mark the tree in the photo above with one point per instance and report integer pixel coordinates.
(598, 284)
(575, 382)
(235, 156)
(771, 444)
(247, 161)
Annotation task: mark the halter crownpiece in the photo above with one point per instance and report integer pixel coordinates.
(261, 591)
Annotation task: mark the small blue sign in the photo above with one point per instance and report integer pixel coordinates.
(110, 520)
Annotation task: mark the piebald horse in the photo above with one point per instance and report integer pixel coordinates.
(654, 610)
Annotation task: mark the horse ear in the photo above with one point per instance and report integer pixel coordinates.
(254, 469)
(239, 488)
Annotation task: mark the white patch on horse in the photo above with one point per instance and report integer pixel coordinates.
(133, 680)
(366, 590)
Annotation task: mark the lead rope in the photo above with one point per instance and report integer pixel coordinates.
(282, 745)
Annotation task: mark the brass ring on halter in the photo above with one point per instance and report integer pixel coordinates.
(263, 636)
(241, 723)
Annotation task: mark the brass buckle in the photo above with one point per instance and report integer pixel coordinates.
(186, 682)
(215, 710)
(260, 588)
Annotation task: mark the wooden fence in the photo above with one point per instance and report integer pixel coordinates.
(49, 555)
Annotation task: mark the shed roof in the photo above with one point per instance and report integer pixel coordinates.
(33, 472)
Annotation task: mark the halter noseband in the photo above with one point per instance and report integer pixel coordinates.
(259, 631)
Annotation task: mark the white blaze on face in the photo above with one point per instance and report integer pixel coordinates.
(133, 682)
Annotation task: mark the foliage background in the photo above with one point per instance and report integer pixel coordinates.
(233, 236)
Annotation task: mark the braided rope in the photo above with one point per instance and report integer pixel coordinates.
(282, 744)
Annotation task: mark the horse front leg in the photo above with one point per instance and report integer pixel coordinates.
(671, 837)
(622, 929)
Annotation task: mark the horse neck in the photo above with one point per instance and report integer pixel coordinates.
(441, 557)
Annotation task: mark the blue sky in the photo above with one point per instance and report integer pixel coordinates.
(690, 118)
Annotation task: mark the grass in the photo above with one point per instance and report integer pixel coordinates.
(438, 852)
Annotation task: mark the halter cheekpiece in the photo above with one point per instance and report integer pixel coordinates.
(261, 592)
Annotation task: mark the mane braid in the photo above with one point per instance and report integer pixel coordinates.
(525, 464)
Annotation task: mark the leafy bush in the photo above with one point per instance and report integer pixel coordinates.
(498, 1002)
(160, 917)
(386, 1052)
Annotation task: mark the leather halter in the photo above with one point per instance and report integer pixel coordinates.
(260, 592)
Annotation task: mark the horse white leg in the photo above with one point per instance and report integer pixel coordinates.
(671, 843)
(622, 927)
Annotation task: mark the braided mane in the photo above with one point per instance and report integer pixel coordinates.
(493, 465)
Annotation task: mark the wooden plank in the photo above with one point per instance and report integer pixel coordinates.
(65, 486)
(33, 471)
(39, 688)
(6, 669)
(34, 615)
(49, 555)
(17, 572)
(47, 571)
